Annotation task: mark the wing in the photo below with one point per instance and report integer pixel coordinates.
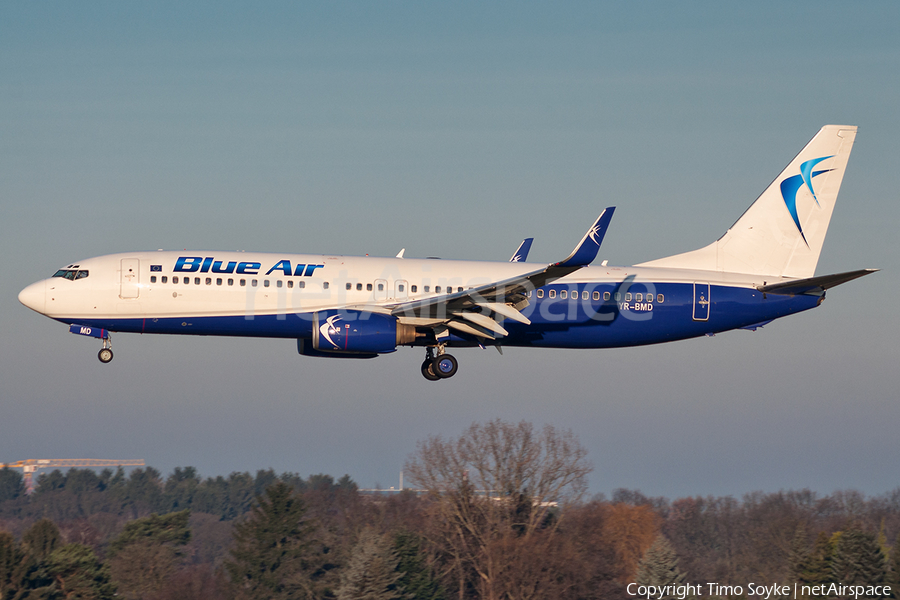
(477, 311)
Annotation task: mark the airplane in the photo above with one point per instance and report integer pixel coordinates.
(761, 269)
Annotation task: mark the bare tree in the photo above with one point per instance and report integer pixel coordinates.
(495, 482)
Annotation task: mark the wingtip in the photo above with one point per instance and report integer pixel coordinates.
(586, 250)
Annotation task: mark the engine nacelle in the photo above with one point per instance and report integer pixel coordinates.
(305, 348)
(357, 331)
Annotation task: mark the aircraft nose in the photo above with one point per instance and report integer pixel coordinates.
(35, 296)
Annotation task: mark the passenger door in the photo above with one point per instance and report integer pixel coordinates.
(130, 280)
(381, 290)
(401, 289)
(701, 301)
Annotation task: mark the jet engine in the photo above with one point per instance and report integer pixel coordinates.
(358, 332)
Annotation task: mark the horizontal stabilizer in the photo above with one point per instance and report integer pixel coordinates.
(813, 286)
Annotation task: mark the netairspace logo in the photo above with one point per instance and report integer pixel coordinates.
(688, 590)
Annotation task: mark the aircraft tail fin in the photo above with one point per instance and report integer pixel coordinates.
(782, 232)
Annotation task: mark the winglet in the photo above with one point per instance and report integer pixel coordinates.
(587, 249)
(521, 252)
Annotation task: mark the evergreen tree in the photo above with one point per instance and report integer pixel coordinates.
(41, 539)
(371, 573)
(893, 574)
(273, 555)
(799, 558)
(77, 573)
(659, 567)
(819, 569)
(418, 578)
(12, 566)
(12, 484)
(180, 488)
(145, 555)
(858, 559)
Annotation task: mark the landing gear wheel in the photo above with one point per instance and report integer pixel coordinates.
(105, 355)
(428, 370)
(445, 366)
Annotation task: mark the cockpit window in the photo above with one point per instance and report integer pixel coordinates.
(71, 274)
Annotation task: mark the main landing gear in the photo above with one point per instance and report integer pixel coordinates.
(441, 366)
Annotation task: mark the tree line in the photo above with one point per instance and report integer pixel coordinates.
(501, 512)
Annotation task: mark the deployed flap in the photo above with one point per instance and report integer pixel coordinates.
(814, 286)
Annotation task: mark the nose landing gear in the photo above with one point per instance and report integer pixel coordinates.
(442, 366)
(106, 354)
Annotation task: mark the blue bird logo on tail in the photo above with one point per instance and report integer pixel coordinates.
(792, 185)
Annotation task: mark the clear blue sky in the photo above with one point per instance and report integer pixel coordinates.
(453, 130)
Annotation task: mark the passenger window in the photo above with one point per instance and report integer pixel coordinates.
(597, 295)
(413, 289)
(266, 283)
(368, 287)
(301, 284)
(659, 297)
(459, 289)
(218, 281)
(563, 294)
(243, 282)
(618, 296)
(186, 280)
(437, 289)
(230, 281)
(540, 293)
(254, 282)
(164, 279)
(380, 287)
(638, 297)
(585, 295)
(401, 287)
(209, 281)
(606, 295)
(175, 279)
(325, 285)
(279, 283)
(552, 294)
(358, 287)
(153, 279)
(349, 286)
(628, 297)
(290, 283)
(196, 281)
(426, 288)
